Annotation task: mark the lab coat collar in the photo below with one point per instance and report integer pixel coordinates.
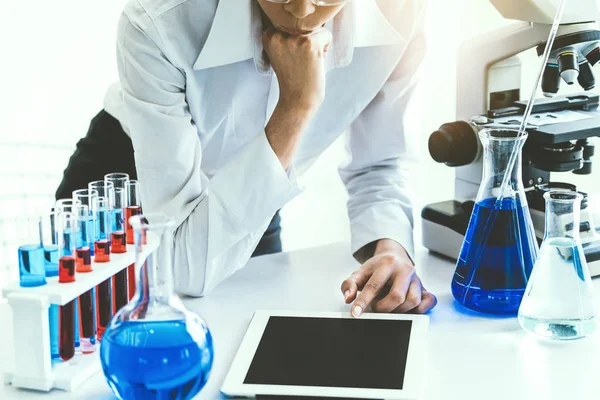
(236, 33)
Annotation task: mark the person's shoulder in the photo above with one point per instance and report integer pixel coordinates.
(164, 9)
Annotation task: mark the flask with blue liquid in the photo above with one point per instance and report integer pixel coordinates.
(154, 348)
(500, 246)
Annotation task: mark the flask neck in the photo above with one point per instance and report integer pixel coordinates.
(155, 272)
(562, 215)
(496, 161)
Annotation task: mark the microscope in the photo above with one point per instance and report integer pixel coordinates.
(489, 95)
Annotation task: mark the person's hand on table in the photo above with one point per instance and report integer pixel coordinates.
(388, 282)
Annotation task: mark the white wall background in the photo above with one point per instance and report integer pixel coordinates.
(57, 59)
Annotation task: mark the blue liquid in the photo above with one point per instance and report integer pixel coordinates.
(53, 318)
(118, 220)
(92, 234)
(51, 260)
(32, 270)
(492, 276)
(77, 338)
(155, 360)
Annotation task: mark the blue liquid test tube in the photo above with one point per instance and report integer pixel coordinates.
(86, 197)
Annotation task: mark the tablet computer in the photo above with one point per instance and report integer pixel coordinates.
(309, 354)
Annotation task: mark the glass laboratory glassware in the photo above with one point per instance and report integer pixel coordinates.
(83, 258)
(86, 197)
(500, 246)
(133, 208)
(48, 233)
(560, 301)
(154, 347)
(66, 205)
(67, 318)
(32, 267)
(102, 235)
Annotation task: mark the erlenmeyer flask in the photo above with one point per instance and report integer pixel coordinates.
(560, 302)
(500, 247)
(154, 348)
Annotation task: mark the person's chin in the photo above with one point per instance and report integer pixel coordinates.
(294, 31)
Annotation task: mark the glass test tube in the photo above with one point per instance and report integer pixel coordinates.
(49, 238)
(87, 322)
(134, 207)
(86, 197)
(107, 190)
(65, 227)
(102, 235)
(83, 259)
(48, 234)
(32, 270)
(104, 306)
(66, 205)
(119, 245)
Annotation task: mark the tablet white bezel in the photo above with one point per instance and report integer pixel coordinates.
(413, 377)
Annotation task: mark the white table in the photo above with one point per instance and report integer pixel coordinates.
(470, 356)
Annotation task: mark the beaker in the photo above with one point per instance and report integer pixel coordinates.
(560, 302)
(500, 246)
(154, 348)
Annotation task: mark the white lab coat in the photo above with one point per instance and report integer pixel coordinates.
(196, 92)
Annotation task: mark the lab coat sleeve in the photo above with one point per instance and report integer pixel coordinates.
(382, 144)
(218, 221)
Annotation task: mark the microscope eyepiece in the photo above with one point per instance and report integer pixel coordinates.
(454, 144)
(568, 66)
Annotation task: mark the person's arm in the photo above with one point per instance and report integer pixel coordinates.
(383, 151)
(218, 221)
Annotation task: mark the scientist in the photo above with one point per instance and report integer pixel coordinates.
(221, 105)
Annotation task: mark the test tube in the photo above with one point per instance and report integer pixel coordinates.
(66, 205)
(104, 306)
(32, 270)
(119, 242)
(65, 227)
(102, 234)
(83, 259)
(118, 179)
(86, 197)
(48, 233)
(134, 207)
(88, 324)
(107, 190)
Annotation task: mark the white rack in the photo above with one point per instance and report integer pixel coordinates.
(33, 367)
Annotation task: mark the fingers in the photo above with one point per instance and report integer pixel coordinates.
(354, 283)
(404, 295)
(371, 289)
(428, 301)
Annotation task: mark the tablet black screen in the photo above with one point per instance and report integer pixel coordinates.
(331, 352)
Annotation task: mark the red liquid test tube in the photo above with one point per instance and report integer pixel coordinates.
(66, 323)
(131, 280)
(104, 307)
(86, 322)
(102, 251)
(130, 212)
(119, 243)
(66, 269)
(120, 298)
(83, 260)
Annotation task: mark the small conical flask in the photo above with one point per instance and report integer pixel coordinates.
(154, 348)
(500, 246)
(560, 302)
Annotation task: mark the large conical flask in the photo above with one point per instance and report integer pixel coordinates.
(154, 348)
(500, 246)
(560, 302)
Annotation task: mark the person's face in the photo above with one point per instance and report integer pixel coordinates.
(298, 17)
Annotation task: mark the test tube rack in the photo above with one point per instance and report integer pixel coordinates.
(33, 366)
